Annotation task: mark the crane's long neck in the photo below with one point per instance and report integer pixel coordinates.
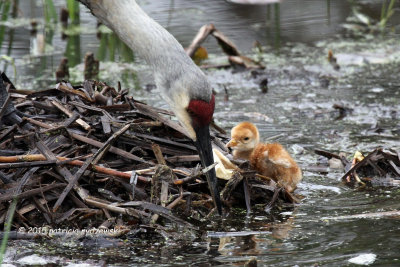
(143, 35)
(177, 77)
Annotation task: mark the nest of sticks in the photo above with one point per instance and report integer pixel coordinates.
(83, 156)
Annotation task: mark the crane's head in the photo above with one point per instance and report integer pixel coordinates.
(193, 103)
(244, 137)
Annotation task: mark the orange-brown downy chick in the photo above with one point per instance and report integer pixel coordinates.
(270, 160)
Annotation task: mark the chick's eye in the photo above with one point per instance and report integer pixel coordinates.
(246, 138)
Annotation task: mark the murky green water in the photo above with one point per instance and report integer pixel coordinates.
(298, 108)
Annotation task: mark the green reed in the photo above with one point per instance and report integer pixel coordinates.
(386, 13)
(7, 229)
(73, 11)
(5, 11)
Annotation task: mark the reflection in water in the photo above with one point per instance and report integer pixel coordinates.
(328, 11)
(246, 243)
(5, 10)
(238, 246)
(70, 32)
(37, 44)
(272, 25)
(73, 50)
(278, 26)
(112, 48)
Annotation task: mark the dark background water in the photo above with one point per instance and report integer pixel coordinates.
(37, 56)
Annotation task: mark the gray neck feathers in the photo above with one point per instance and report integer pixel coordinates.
(173, 69)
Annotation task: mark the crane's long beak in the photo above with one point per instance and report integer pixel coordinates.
(203, 144)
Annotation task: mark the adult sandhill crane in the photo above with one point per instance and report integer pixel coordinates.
(182, 84)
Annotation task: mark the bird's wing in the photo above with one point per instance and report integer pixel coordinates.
(281, 161)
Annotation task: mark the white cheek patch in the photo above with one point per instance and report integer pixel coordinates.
(181, 99)
(185, 120)
(179, 103)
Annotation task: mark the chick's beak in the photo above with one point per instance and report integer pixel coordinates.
(232, 143)
(203, 144)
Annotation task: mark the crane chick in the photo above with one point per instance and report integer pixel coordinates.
(270, 160)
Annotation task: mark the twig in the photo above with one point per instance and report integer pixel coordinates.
(194, 176)
(30, 193)
(326, 154)
(94, 168)
(201, 35)
(27, 164)
(68, 90)
(3, 108)
(112, 149)
(64, 172)
(149, 112)
(273, 199)
(92, 108)
(70, 114)
(231, 185)
(84, 167)
(227, 45)
(359, 164)
(157, 152)
(8, 131)
(105, 205)
(24, 180)
(186, 158)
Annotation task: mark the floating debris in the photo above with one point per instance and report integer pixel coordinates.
(370, 215)
(363, 259)
(228, 47)
(333, 61)
(380, 167)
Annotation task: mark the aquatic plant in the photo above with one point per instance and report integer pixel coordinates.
(7, 230)
(386, 13)
(50, 13)
(50, 18)
(361, 23)
(5, 10)
(73, 11)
